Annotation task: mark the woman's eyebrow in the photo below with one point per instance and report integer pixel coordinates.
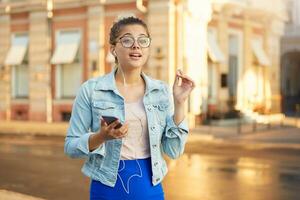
(126, 34)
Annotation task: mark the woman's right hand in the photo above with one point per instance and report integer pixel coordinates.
(110, 132)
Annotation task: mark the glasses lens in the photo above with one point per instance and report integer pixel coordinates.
(127, 42)
(144, 42)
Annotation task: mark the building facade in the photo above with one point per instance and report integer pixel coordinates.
(290, 61)
(230, 48)
(243, 56)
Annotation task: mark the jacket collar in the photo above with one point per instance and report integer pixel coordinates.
(107, 82)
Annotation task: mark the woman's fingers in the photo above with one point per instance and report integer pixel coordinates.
(112, 132)
(123, 130)
(102, 122)
(184, 77)
(113, 125)
(189, 82)
(119, 132)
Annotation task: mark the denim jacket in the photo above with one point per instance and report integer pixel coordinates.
(99, 96)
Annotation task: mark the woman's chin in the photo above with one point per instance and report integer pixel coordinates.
(136, 64)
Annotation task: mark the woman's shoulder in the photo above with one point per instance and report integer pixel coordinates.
(160, 84)
(92, 82)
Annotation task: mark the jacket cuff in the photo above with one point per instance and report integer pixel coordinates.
(83, 146)
(182, 126)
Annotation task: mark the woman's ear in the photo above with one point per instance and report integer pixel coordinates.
(113, 51)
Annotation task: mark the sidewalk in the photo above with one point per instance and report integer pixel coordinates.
(9, 195)
(279, 135)
(33, 128)
(250, 136)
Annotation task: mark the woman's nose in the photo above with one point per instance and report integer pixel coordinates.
(135, 45)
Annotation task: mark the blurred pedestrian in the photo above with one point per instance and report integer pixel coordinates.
(124, 121)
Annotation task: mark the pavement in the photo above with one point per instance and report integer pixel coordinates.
(284, 134)
(9, 195)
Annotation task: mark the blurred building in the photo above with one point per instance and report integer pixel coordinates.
(244, 56)
(290, 60)
(229, 47)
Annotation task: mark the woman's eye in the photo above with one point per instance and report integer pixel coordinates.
(143, 41)
(127, 40)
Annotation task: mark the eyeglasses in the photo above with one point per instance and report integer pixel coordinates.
(128, 41)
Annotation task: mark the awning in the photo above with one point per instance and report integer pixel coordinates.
(214, 51)
(259, 53)
(17, 51)
(67, 45)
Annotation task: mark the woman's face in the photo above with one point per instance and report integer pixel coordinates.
(132, 56)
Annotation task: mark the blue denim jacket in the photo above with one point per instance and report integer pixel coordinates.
(99, 96)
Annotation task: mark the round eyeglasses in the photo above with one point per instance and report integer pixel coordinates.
(128, 41)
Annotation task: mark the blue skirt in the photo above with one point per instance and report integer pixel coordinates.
(133, 183)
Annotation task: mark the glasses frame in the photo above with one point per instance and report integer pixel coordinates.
(135, 40)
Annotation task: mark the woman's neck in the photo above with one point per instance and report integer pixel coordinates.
(129, 77)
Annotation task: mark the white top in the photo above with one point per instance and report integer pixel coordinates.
(135, 145)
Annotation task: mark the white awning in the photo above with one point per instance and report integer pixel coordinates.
(67, 45)
(213, 49)
(17, 51)
(259, 53)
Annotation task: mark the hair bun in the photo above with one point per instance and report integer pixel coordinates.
(124, 15)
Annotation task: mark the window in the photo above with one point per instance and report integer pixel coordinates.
(68, 59)
(223, 80)
(17, 57)
(233, 65)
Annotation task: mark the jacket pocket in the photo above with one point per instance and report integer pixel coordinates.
(103, 105)
(104, 108)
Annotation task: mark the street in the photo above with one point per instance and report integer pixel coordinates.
(37, 166)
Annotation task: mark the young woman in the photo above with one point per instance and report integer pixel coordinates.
(124, 159)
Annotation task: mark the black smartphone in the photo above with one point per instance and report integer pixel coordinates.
(111, 119)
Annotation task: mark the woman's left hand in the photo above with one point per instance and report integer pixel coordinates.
(183, 88)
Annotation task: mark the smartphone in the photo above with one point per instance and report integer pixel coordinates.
(111, 119)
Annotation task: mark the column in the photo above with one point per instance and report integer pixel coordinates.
(40, 70)
(96, 40)
(161, 19)
(196, 18)
(5, 89)
(273, 36)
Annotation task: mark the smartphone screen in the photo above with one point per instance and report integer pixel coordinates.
(111, 119)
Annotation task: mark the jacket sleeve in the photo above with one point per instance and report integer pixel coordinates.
(174, 137)
(76, 141)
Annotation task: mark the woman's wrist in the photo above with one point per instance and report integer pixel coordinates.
(178, 112)
(95, 140)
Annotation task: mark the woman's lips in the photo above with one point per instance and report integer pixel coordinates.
(135, 56)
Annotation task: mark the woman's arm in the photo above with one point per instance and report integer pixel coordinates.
(175, 135)
(178, 113)
(80, 142)
(107, 132)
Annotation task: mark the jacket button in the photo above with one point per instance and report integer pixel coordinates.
(154, 145)
(155, 163)
(152, 128)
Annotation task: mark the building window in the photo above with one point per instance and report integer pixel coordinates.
(233, 65)
(68, 60)
(17, 58)
(223, 80)
(215, 56)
